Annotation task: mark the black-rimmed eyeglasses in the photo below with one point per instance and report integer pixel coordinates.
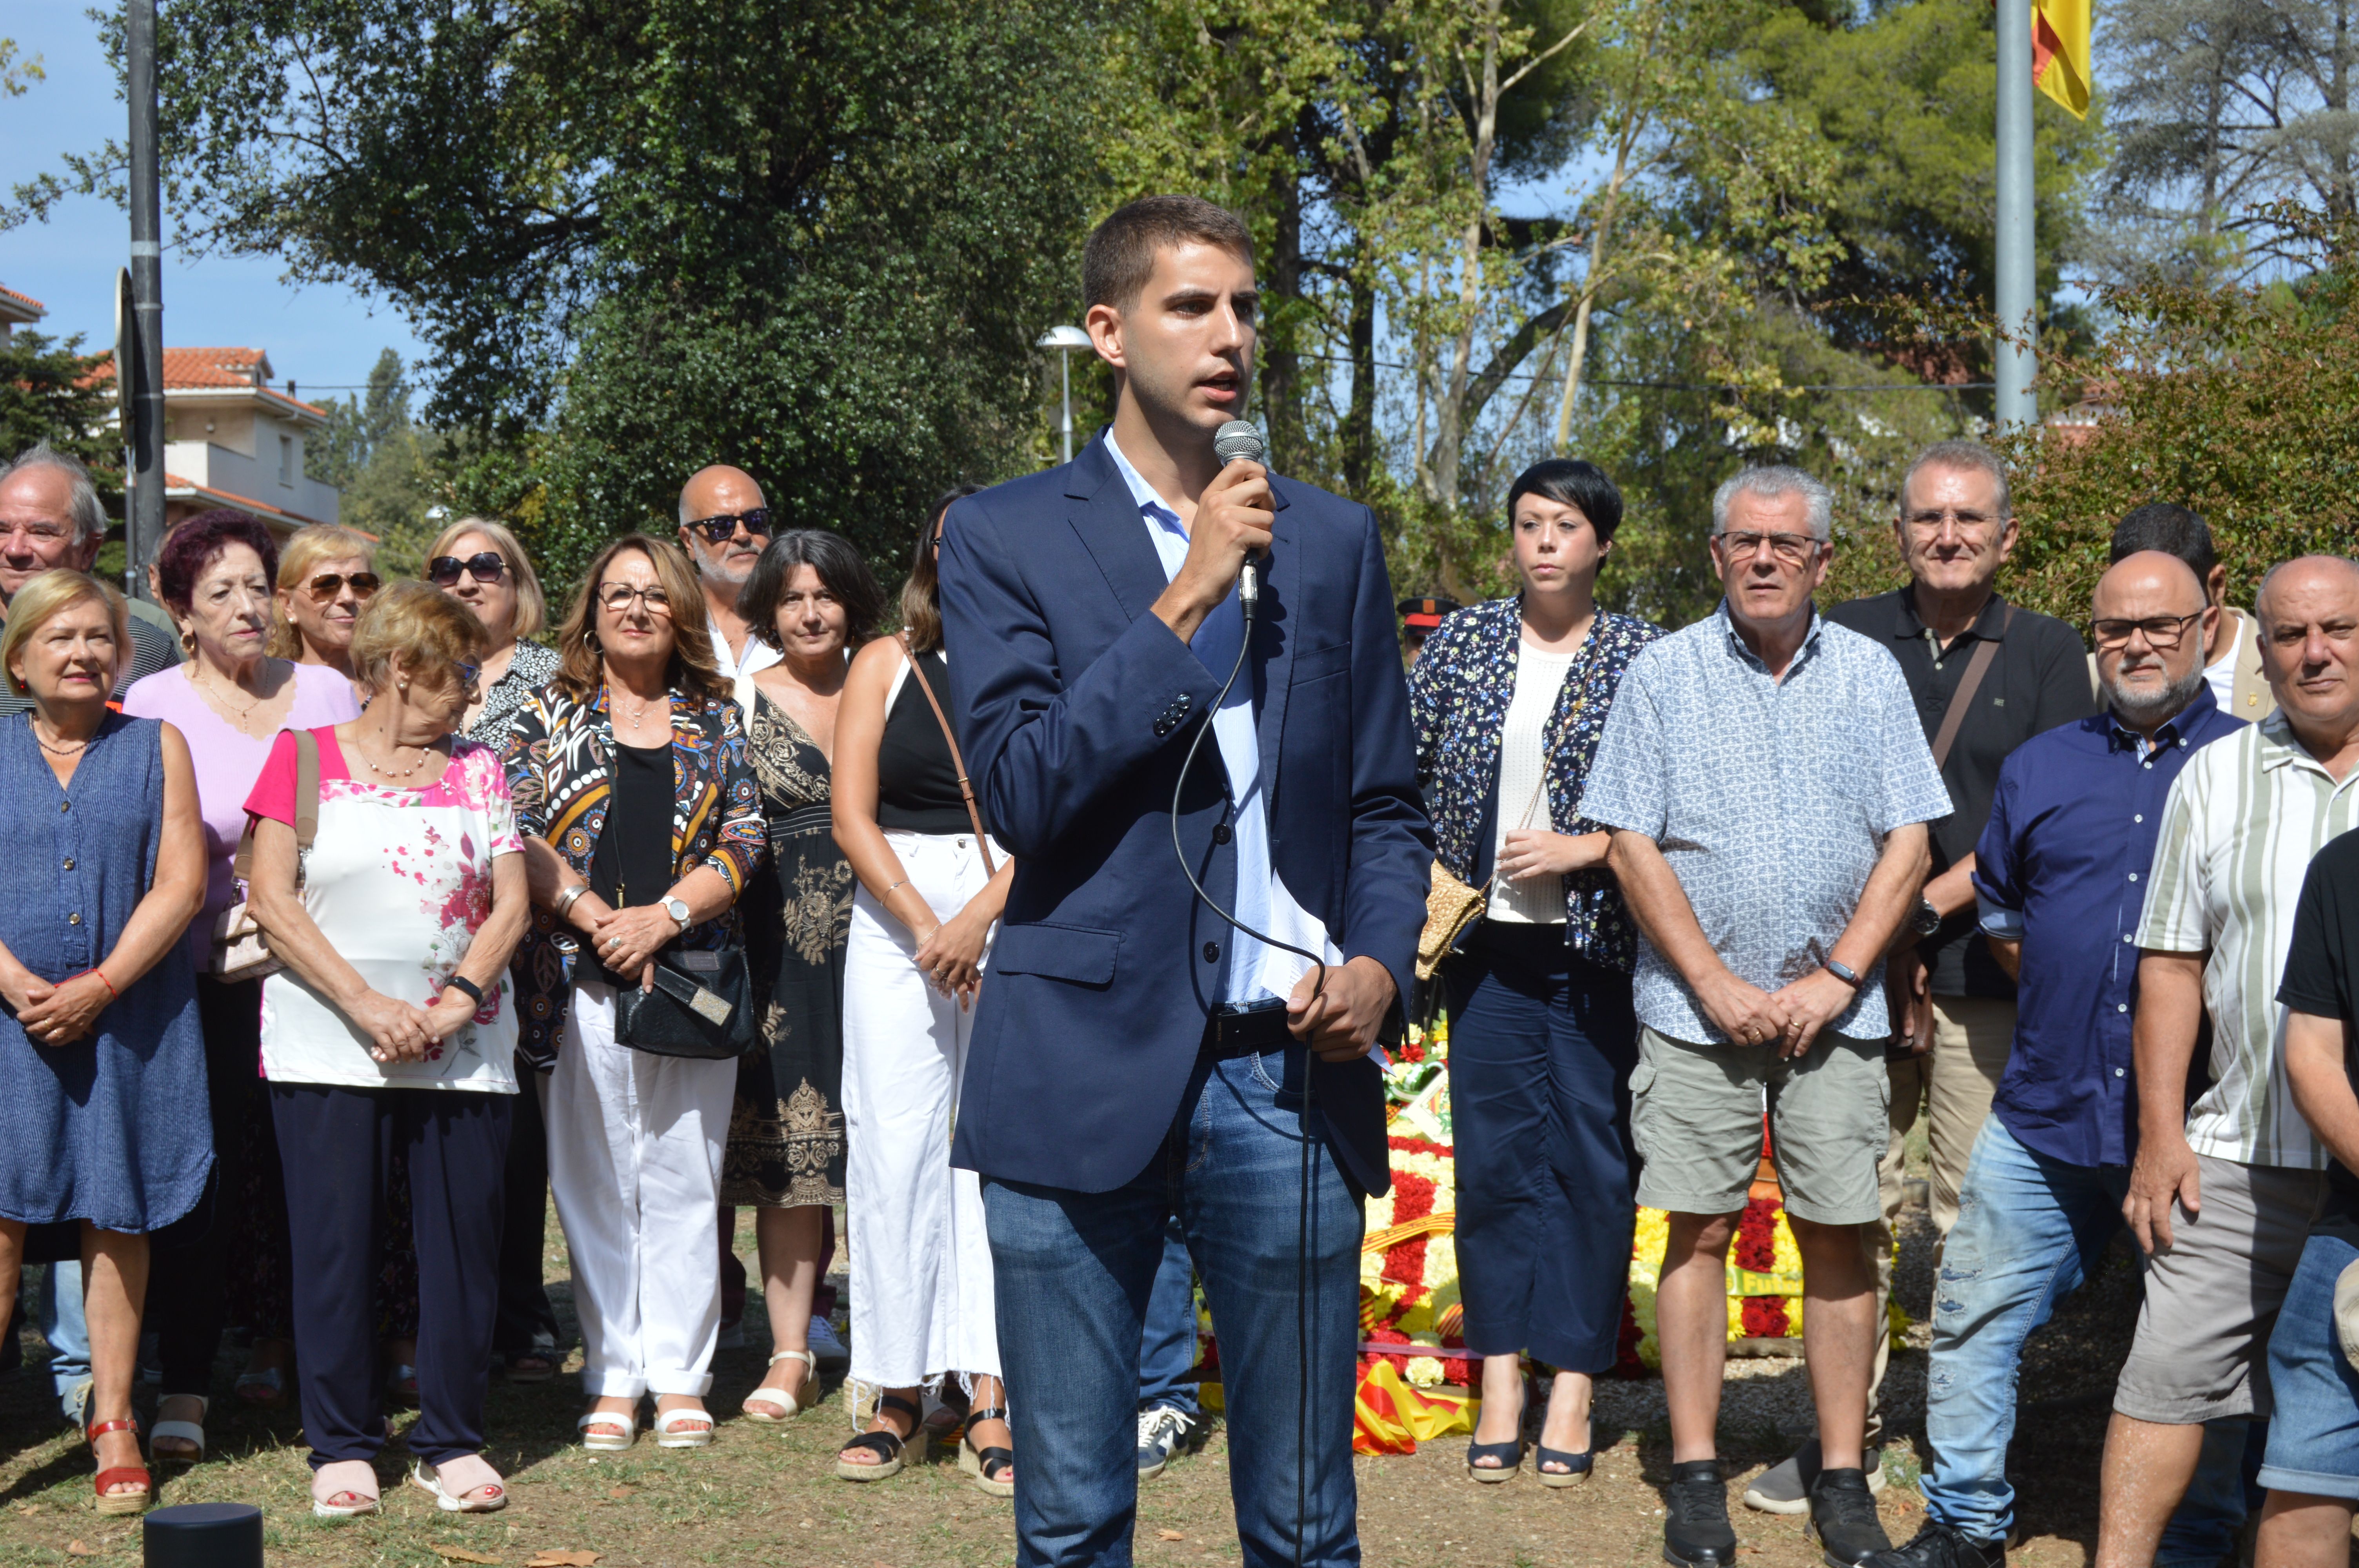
(717, 528)
(2163, 633)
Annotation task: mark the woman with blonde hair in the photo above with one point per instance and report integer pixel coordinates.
(643, 827)
(102, 1056)
(326, 573)
(395, 907)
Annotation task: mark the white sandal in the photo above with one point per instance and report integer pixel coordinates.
(667, 1432)
(324, 1486)
(607, 1442)
(184, 1430)
(462, 1501)
(780, 1397)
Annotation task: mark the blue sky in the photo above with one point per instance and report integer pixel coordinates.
(318, 334)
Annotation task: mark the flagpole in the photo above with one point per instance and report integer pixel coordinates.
(2017, 280)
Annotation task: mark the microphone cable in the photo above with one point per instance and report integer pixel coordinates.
(1248, 603)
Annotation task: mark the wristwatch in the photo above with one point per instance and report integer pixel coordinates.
(1927, 920)
(678, 909)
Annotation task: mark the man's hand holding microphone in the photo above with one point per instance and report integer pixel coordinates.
(1231, 521)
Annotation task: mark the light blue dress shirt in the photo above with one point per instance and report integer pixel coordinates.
(1261, 898)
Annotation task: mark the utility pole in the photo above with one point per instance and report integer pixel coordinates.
(2017, 279)
(143, 439)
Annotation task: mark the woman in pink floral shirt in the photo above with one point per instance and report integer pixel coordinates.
(392, 1028)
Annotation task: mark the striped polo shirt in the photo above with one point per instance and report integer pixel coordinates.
(2238, 832)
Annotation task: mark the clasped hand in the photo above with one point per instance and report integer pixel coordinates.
(627, 940)
(1788, 1018)
(56, 1014)
(951, 956)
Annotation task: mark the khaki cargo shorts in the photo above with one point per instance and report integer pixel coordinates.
(1695, 1114)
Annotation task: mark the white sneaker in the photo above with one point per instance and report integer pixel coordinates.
(833, 1356)
(1162, 1433)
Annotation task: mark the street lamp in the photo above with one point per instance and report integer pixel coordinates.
(1065, 340)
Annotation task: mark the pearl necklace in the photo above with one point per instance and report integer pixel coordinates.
(383, 771)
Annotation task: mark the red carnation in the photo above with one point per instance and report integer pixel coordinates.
(1764, 1317)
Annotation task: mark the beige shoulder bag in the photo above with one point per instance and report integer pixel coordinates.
(241, 952)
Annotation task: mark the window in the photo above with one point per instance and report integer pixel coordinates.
(287, 460)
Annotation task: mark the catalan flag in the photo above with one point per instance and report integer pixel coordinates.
(2059, 52)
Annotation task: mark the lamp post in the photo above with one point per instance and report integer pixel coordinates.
(2017, 280)
(1065, 340)
(143, 433)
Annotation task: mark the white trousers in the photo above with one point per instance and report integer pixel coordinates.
(922, 1302)
(634, 1144)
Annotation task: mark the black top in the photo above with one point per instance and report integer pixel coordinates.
(2321, 968)
(632, 864)
(917, 784)
(2038, 679)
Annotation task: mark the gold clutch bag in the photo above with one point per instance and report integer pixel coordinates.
(1450, 907)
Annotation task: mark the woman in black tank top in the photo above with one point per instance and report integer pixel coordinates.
(931, 889)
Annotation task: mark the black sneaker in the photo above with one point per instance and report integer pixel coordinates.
(1696, 1531)
(1842, 1518)
(1935, 1545)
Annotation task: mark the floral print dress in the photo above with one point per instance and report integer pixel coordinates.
(786, 1134)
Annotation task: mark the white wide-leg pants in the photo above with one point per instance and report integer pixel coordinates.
(922, 1301)
(634, 1144)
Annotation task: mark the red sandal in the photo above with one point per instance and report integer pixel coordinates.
(112, 1502)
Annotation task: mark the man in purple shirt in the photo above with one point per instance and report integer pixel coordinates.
(2077, 810)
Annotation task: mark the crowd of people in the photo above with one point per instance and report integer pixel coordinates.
(697, 904)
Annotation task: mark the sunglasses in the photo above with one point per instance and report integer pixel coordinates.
(327, 584)
(443, 571)
(756, 521)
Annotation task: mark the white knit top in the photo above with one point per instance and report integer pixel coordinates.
(1522, 796)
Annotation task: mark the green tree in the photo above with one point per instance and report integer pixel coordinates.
(50, 391)
(646, 235)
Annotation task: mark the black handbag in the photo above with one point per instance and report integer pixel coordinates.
(701, 1006)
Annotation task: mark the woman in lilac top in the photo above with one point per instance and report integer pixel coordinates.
(230, 700)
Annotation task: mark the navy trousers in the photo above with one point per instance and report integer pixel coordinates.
(337, 1143)
(1542, 1044)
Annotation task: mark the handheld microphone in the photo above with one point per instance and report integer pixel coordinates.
(1234, 442)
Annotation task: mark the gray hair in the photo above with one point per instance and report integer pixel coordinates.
(81, 498)
(1971, 456)
(1770, 481)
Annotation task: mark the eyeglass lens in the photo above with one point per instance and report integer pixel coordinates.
(2163, 632)
(327, 584)
(618, 597)
(487, 567)
(756, 521)
(1788, 548)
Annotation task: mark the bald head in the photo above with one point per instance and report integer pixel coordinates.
(2152, 623)
(722, 491)
(2308, 614)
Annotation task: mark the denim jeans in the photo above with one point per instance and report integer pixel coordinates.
(2313, 1444)
(1166, 1352)
(2029, 1228)
(1075, 1271)
(69, 1335)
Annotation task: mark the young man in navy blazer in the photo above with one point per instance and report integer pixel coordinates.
(1133, 1056)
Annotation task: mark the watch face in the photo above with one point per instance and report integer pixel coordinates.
(677, 909)
(1928, 919)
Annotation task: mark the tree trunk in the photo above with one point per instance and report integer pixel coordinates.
(1281, 364)
(1359, 432)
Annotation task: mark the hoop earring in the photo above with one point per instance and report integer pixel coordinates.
(188, 643)
(590, 638)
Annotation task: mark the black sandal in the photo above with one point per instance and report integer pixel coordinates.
(989, 1466)
(892, 1450)
(1577, 1466)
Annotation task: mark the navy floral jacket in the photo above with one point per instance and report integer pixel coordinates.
(1459, 690)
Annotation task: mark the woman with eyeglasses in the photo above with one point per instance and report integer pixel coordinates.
(479, 563)
(931, 895)
(643, 827)
(391, 1029)
(326, 574)
(229, 701)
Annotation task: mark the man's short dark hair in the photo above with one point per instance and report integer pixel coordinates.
(2174, 530)
(1569, 481)
(1120, 255)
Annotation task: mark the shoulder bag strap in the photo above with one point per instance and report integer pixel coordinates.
(307, 809)
(966, 786)
(1985, 650)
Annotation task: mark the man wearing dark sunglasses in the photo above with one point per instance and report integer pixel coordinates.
(724, 526)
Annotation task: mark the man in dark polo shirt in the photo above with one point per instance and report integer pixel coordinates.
(2312, 1465)
(1952, 1005)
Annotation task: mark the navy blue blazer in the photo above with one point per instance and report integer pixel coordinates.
(1076, 705)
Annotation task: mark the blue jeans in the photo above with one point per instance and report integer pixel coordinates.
(2029, 1228)
(69, 1335)
(2314, 1418)
(1166, 1352)
(1073, 1273)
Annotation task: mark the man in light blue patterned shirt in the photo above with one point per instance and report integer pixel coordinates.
(1768, 786)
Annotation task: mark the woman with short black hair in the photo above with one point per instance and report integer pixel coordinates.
(1509, 698)
(813, 599)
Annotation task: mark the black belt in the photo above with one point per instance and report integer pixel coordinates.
(1249, 1031)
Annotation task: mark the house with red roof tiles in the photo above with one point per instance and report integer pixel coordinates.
(232, 439)
(17, 310)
